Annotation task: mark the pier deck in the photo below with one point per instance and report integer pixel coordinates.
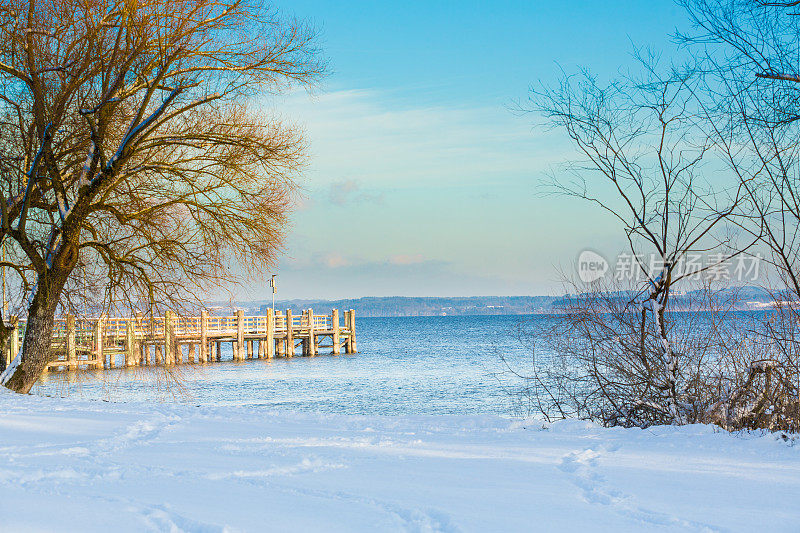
(107, 342)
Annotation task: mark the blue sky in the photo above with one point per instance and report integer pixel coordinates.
(422, 179)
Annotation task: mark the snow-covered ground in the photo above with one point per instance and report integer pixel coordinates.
(68, 465)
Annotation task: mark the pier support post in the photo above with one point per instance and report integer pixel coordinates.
(348, 346)
(238, 351)
(335, 329)
(177, 348)
(130, 344)
(289, 334)
(270, 347)
(203, 336)
(70, 341)
(353, 330)
(169, 354)
(218, 356)
(350, 324)
(144, 352)
(312, 338)
(190, 353)
(281, 343)
(99, 359)
(249, 348)
(111, 353)
(304, 340)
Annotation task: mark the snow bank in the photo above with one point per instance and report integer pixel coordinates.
(68, 465)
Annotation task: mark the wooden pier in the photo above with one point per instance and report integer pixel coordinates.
(106, 342)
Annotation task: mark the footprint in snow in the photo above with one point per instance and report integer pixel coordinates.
(138, 432)
(582, 467)
(162, 518)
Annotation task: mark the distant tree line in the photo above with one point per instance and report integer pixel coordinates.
(388, 306)
(750, 297)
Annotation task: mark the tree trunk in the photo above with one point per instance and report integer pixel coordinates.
(36, 348)
(658, 303)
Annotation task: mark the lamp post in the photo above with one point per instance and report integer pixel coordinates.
(274, 290)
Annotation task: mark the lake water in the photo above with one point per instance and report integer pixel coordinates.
(405, 365)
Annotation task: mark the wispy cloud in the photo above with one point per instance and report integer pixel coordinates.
(405, 259)
(336, 260)
(350, 192)
(368, 137)
(333, 260)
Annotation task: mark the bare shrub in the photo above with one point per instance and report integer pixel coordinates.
(599, 359)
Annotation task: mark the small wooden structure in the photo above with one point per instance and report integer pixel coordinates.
(171, 340)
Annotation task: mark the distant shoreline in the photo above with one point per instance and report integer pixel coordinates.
(751, 299)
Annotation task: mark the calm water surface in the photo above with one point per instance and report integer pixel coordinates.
(406, 365)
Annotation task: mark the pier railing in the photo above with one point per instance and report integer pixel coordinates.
(108, 342)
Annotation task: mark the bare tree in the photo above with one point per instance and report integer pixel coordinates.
(632, 353)
(752, 104)
(132, 146)
(644, 165)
